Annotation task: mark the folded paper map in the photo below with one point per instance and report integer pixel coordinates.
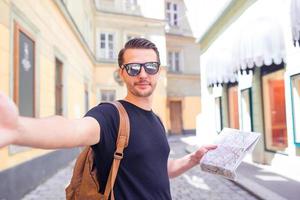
(232, 147)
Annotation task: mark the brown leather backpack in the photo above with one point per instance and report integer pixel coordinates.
(84, 183)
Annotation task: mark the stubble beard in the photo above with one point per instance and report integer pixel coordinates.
(139, 93)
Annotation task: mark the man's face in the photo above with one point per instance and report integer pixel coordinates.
(143, 84)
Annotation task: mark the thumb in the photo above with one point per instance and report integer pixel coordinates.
(210, 146)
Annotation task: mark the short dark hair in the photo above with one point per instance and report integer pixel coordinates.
(137, 43)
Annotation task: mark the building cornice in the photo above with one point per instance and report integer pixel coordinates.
(174, 35)
(130, 16)
(61, 6)
(231, 13)
(183, 75)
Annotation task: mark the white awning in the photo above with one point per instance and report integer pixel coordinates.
(295, 20)
(220, 68)
(260, 43)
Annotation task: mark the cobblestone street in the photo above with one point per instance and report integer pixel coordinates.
(193, 185)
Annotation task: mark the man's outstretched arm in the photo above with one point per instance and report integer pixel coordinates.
(178, 166)
(47, 133)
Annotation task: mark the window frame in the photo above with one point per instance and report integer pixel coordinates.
(220, 114)
(292, 78)
(108, 93)
(171, 12)
(172, 60)
(17, 30)
(267, 71)
(86, 96)
(59, 84)
(104, 53)
(249, 91)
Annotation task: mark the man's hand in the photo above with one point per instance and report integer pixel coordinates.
(197, 155)
(47, 133)
(8, 120)
(181, 165)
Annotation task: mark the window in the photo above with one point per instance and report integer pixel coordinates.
(246, 110)
(58, 87)
(108, 95)
(131, 4)
(233, 107)
(295, 86)
(24, 72)
(274, 110)
(86, 97)
(24, 76)
(174, 61)
(107, 46)
(218, 114)
(172, 14)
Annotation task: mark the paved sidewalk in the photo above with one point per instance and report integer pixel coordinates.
(193, 185)
(266, 182)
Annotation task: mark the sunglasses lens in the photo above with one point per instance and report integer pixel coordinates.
(151, 67)
(133, 69)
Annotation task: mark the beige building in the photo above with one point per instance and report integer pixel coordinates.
(59, 58)
(183, 68)
(47, 67)
(115, 23)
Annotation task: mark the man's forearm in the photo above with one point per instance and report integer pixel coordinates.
(178, 166)
(47, 133)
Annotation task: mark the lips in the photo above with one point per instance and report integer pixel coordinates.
(142, 83)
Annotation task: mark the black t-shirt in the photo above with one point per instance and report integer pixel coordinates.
(143, 170)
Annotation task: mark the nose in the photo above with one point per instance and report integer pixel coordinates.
(143, 73)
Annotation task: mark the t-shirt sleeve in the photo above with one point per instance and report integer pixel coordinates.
(107, 117)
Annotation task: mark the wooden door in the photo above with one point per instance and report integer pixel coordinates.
(274, 111)
(233, 107)
(277, 110)
(176, 117)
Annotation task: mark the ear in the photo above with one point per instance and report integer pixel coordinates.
(121, 73)
(159, 70)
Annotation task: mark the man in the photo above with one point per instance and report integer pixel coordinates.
(145, 169)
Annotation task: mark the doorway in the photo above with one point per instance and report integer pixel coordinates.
(176, 117)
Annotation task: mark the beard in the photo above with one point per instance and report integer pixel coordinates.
(134, 89)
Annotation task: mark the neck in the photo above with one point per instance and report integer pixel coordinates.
(142, 102)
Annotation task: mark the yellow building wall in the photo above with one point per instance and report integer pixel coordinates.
(191, 108)
(160, 98)
(104, 80)
(4, 48)
(53, 37)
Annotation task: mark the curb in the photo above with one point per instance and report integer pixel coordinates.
(256, 190)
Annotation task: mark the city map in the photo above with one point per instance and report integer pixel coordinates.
(232, 147)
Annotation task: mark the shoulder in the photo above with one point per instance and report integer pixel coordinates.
(102, 108)
(103, 112)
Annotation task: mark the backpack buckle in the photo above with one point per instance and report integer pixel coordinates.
(118, 155)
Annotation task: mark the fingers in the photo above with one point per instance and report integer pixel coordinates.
(6, 102)
(210, 146)
(204, 149)
(197, 155)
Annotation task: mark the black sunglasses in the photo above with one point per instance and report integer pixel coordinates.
(133, 69)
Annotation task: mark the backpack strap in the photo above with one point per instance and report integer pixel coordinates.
(122, 142)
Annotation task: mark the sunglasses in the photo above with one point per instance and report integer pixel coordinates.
(133, 69)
